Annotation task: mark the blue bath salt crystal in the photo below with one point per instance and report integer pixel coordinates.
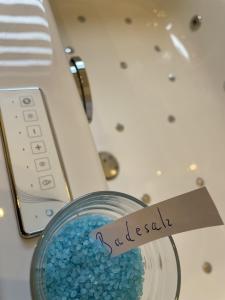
(77, 267)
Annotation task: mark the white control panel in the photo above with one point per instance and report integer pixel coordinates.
(38, 180)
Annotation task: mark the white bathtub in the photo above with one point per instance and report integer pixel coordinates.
(169, 94)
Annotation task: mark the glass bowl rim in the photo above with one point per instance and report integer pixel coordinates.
(77, 201)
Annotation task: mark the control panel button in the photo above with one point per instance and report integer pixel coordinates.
(49, 212)
(46, 182)
(42, 164)
(26, 101)
(30, 115)
(38, 147)
(34, 131)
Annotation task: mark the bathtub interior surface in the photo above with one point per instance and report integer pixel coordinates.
(163, 80)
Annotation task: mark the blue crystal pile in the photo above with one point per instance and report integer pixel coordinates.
(77, 267)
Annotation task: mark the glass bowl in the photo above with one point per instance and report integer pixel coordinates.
(162, 275)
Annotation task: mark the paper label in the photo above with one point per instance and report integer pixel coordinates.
(189, 211)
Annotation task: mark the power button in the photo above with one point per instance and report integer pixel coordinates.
(27, 101)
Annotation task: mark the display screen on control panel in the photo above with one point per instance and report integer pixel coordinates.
(38, 180)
